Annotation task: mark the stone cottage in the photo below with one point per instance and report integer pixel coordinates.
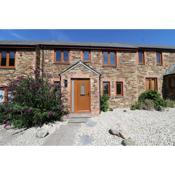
(86, 71)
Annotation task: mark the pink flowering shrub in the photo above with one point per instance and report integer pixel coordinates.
(34, 102)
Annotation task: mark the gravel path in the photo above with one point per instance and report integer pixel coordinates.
(25, 137)
(143, 127)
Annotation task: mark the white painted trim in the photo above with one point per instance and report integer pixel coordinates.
(73, 105)
(79, 63)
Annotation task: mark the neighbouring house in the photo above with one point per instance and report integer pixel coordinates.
(86, 71)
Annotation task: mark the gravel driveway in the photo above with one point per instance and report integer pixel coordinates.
(143, 127)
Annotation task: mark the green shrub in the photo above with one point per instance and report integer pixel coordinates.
(149, 100)
(147, 104)
(154, 96)
(104, 103)
(170, 103)
(34, 103)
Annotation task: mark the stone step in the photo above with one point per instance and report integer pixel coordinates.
(78, 119)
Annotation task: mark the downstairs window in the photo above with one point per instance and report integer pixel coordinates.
(106, 88)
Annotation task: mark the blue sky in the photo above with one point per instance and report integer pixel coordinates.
(157, 37)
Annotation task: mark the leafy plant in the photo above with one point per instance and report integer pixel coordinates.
(149, 100)
(104, 103)
(170, 103)
(154, 96)
(34, 102)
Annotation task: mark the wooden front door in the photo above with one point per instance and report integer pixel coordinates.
(81, 95)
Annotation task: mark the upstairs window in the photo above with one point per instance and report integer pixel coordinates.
(159, 58)
(86, 56)
(109, 58)
(106, 88)
(65, 56)
(141, 58)
(58, 56)
(7, 59)
(62, 56)
(12, 59)
(119, 88)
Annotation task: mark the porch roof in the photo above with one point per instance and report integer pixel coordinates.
(80, 63)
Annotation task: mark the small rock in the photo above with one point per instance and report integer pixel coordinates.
(41, 133)
(128, 142)
(110, 109)
(116, 132)
(167, 109)
(160, 108)
(119, 131)
(124, 110)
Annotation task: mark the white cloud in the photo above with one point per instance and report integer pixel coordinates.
(16, 35)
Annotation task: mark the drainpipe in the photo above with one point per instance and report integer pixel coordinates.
(37, 62)
(42, 62)
(39, 67)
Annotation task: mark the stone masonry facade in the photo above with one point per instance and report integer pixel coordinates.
(127, 71)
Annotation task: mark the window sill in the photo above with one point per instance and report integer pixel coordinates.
(114, 66)
(141, 64)
(119, 96)
(62, 63)
(5, 67)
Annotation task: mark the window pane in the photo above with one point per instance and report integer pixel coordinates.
(86, 55)
(105, 57)
(140, 57)
(66, 55)
(106, 88)
(158, 58)
(82, 89)
(112, 58)
(12, 59)
(151, 84)
(3, 60)
(58, 55)
(1, 95)
(119, 88)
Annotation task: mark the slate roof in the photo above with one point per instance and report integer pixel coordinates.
(82, 44)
